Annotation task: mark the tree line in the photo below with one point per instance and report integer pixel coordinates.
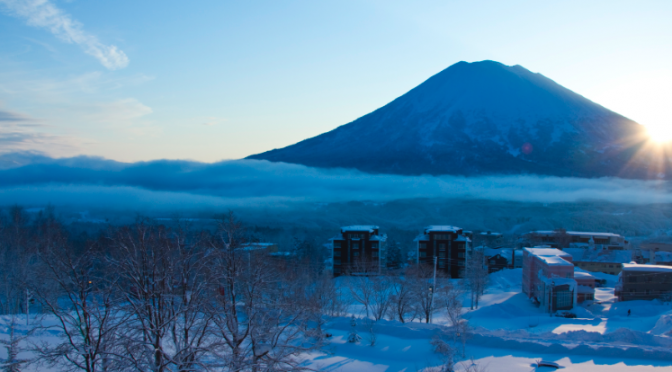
(146, 297)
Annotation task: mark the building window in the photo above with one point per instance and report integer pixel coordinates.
(492, 262)
(442, 246)
(374, 254)
(337, 270)
(355, 245)
(563, 299)
(423, 254)
(337, 253)
(442, 264)
(440, 236)
(442, 254)
(460, 254)
(337, 244)
(633, 279)
(356, 254)
(337, 262)
(374, 245)
(568, 275)
(423, 245)
(460, 263)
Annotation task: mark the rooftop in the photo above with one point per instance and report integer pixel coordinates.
(654, 268)
(367, 228)
(555, 261)
(579, 233)
(547, 252)
(442, 228)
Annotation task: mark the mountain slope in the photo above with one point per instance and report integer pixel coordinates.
(480, 118)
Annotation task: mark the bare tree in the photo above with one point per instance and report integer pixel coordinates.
(380, 299)
(476, 277)
(423, 293)
(450, 301)
(402, 306)
(162, 280)
(259, 315)
(361, 291)
(13, 346)
(85, 306)
(446, 351)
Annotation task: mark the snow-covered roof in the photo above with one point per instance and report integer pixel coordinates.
(547, 252)
(577, 233)
(555, 261)
(442, 228)
(653, 268)
(599, 255)
(462, 238)
(367, 228)
(582, 275)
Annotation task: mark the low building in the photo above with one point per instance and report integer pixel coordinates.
(644, 282)
(359, 250)
(585, 286)
(548, 278)
(448, 244)
(577, 239)
(513, 256)
(599, 259)
(495, 259)
(656, 246)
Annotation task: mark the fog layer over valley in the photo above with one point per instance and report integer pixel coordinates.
(94, 191)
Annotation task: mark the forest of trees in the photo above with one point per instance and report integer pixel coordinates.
(146, 297)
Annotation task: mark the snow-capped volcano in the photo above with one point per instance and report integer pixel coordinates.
(480, 118)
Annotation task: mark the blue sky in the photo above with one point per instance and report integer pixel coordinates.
(215, 80)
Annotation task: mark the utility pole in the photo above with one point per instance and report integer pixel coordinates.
(431, 306)
(27, 307)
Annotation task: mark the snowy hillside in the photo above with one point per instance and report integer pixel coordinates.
(480, 118)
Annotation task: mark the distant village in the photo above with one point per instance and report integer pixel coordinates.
(556, 264)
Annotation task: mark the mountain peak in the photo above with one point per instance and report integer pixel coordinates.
(477, 118)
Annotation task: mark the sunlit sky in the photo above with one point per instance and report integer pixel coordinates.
(214, 80)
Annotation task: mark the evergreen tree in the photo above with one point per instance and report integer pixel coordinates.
(353, 336)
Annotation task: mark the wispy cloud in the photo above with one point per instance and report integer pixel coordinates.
(11, 117)
(44, 14)
(19, 132)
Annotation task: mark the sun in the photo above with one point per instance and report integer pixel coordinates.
(660, 133)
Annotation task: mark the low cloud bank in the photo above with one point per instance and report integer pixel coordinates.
(37, 179)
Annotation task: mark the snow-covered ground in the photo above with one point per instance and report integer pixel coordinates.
(510, 334)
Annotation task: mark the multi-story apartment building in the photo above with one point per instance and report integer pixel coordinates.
(577, 239)
(449, 244)
(359, 250)
(644, 282)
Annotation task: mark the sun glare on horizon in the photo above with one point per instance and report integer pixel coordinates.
(659, 133)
